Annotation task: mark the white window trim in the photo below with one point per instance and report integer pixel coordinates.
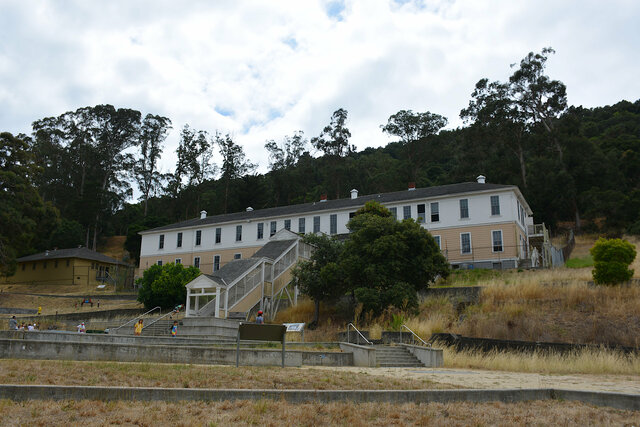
(178, 259)
(159, 262)
(470, 244)
(215, 234)
(194, 261)
(501, 241)
(468, 217)
(438, 240)
(431, 212)
(235, 256)
(213, 266)
(195, 238)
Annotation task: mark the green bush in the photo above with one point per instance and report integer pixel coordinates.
(611, 260)
(164, 285)
(580, 262)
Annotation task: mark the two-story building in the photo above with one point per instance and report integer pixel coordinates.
(476, 225)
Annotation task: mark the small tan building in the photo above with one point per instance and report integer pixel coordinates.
(77, 266)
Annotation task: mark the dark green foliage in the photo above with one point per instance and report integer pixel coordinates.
(321, 278)
(68, 234)
(611, 260)
(164, 286)
(386, 262)
(25, 220)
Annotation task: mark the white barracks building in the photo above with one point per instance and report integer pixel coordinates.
(476, 225)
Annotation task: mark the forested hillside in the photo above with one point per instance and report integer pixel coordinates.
(71, 180)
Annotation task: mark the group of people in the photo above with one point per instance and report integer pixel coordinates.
(137, 328)
(14, 326)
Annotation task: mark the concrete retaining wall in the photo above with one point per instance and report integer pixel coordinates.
(362, 355)
(44, 392)
(430, 357)
(90, 347)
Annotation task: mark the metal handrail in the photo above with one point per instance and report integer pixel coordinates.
(138, 317)
(160, 318)
(359, 333)
(414, 334)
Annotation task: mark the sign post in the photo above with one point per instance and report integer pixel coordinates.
(257, 332)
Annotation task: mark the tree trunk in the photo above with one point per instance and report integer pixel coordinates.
(523, 169)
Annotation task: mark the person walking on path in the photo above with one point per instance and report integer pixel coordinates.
(13, 324)
(260, 318)
(137, 329)
(39, 310)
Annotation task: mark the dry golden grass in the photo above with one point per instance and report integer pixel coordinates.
(276, 413)
(588, 361)
(62, 305)
(194, 376)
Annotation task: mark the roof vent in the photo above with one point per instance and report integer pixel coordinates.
(203, 214)
(481, 179)
(46, 253)
(323, 197)
(412, 186)
(354, 194)
(249, 209)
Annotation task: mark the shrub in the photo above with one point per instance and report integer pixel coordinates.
(164, 285)
(611, 260)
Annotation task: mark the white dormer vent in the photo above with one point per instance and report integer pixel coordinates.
(481, 179)
(249, 209)
(203, 214)
(354, 194)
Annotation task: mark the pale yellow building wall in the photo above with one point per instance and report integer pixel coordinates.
(206, 258)
(481, 242)
(64, 271)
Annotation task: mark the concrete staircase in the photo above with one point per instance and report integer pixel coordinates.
(388, 356)
(159, 328)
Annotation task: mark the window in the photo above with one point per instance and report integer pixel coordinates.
(287, 224)
(161, 242)
(301, 225)
(260, 230)
(394, 212)
(435, 212)
(495, 205)
(351, 214)
(55, 264)
(178, 260)
(160, 262)
(196, 262)
(465, 243)
(24, 266)
(316, 224)
(33, 266)
(421, 214)
(93, 265)
(406, 212)
(218, 234)
(179, 241)
(44, 264)
(238, 233)
(464, 208)
(216, 262)
(496, 238)
(237, 256)
(272, 230)
(198, 237)
(437, 239)
(67, 263)
(333, 224)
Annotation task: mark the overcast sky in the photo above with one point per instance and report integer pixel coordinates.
(264, 69)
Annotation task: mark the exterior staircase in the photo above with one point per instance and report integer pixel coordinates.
(388, 356)
(159, 328)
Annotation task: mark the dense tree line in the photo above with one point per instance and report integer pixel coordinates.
(573, 164)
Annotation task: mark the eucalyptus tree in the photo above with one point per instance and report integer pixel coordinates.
(234, 163)
(283, 159)
(412, 129)
(153, 133)
(333, 142)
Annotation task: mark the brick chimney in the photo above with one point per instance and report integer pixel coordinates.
(412, 186)
(323, 197)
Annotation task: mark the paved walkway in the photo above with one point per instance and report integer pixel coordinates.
(467, 378)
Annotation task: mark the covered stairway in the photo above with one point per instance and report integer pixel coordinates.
(243, 284)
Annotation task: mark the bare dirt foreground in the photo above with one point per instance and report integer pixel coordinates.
(466, 378)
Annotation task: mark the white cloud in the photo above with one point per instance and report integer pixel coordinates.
(262, 69)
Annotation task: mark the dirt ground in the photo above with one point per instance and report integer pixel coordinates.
(466, 378)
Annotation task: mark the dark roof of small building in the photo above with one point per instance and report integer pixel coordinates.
(82, 253)
(329, 205)
(274, 249)
(232, 270)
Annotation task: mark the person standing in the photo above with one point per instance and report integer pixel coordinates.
(39, 310)
(174, 329)
(260, 318)
(13, 324)
(137, 329)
